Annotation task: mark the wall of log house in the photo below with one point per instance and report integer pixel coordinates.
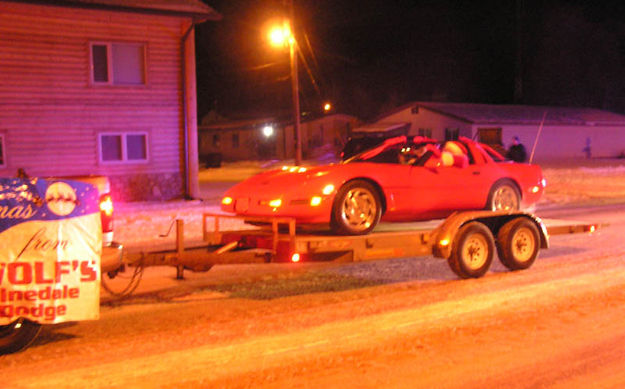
(51, 114)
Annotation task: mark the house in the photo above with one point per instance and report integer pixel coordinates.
(551, 132)
(272, 137)
(324, 134)
(242, 139)
(102, 87)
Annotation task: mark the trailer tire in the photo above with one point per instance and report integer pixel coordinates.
(472, 251)
(18, 335)
(518, 243)
(357, 209)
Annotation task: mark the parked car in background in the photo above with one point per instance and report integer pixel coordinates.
(401, 179)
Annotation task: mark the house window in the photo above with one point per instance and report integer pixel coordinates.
(2, 152)
(451, 133)
(118, 63)
(426, 132)
(235, 141)
(124, 147)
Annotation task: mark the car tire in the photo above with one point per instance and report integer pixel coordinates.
(472, 251)
(18, 335)
(504, 196)
(518, 243)
(357, 209)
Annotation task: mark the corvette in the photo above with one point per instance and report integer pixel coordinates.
(403, 179)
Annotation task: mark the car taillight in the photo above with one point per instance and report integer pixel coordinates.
(106, 212)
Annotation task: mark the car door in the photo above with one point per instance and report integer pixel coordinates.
(459, 186)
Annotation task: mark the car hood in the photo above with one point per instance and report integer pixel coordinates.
(287, 180)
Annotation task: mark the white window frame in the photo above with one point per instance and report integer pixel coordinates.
(110, 65)
(3, 151)
(123, 135)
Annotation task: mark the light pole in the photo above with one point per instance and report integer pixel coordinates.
(281, 36)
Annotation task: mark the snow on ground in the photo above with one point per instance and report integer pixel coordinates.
(139, 225)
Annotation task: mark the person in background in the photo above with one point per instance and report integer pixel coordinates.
(517, 152)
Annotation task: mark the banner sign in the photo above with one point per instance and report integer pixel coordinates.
(50, 247)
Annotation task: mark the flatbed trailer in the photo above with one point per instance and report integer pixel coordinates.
(467, 240)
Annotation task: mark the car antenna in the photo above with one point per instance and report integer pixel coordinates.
(540, 129)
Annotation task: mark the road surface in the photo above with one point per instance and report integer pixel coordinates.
(406, 323)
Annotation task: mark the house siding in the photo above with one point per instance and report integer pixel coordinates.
(561, 142)
(52, 114)
(426, 118)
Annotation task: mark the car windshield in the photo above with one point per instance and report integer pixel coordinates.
(381, 153)
(418, 151)
(397, 150)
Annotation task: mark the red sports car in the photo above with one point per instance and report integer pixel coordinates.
(399, 180)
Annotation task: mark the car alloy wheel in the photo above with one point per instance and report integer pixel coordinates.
(357, 209)
(504, 197)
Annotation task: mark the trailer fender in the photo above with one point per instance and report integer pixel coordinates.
(445, 234)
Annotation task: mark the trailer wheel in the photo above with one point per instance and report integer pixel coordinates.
(518, 242)
(472, 251)
(18, 335)
(504, 196)
(357, 209)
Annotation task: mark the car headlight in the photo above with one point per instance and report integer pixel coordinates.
(276, 203)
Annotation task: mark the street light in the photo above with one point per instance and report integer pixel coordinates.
(268, 131)
(281, 36)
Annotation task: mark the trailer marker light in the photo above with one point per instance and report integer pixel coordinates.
(592, 228)
(295, 258)
(226, 200)
(315, 201)
(444, 242)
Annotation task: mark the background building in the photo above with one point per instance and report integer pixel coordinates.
(564, 132)
(272, 138)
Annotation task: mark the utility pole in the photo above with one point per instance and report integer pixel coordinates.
(295, 88)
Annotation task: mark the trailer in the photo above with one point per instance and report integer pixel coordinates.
(467, 240)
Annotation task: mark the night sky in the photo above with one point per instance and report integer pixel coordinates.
(369, 56)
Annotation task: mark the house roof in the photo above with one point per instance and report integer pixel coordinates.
(521, 114)
(381, 127)
(196, 9)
